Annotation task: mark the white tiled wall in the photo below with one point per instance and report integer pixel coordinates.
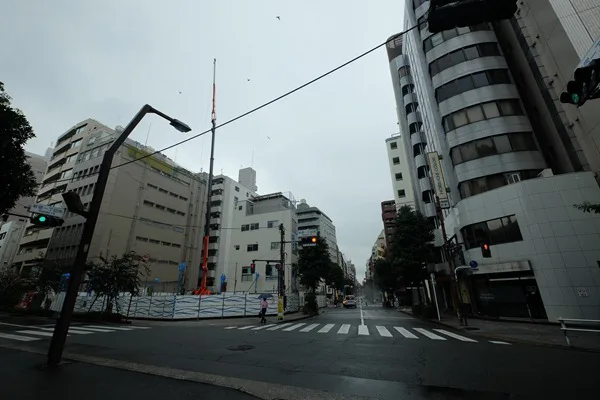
(561, 242)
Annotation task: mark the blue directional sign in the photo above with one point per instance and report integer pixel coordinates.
(473, 264)
(156, 280)
(182, 266)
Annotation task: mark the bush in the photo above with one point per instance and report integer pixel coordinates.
(310, 304)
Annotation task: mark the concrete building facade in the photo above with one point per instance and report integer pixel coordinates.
(400, 171)
(466, 89)
(255, 235)
(311, 220)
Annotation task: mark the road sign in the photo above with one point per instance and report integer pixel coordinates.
(47, 210)
(473, 264)
(592, 54)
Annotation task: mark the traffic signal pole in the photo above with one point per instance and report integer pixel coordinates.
(281, 273)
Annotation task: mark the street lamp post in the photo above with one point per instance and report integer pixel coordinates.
(61, 329)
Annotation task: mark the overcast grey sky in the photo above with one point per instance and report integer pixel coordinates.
(67, 60)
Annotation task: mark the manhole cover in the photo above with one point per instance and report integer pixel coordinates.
(242, 347)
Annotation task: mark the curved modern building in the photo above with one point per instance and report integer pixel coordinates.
(461, 94)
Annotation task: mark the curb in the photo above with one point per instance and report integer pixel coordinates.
(507, 339)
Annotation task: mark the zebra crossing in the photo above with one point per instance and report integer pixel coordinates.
(34, 333)
(364, 330)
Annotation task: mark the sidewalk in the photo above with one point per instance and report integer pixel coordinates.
(523, 332)
(21, 379)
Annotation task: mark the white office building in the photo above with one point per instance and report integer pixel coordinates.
(513, 164)
(400, 171)
(255, 237)
(313, 221)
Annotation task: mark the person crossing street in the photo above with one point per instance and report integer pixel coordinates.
(263, 310)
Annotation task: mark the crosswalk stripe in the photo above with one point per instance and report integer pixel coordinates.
(498, 342)
(258, 328)
(293, 327)
(71, 330)
(118, 328)
(383, 331)
(455, 336)
(309, 328)
(81, 328)
(20, 338)
(278, 326)
(430, 335)
(363, 330)
(344, 329)
(404, 332)
(138, 327)
(38, 333)
(326, 328)
(231, 327)
(247, 327)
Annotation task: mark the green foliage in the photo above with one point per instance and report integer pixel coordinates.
(335, 276)
(311, 307)
(386, 277)
(15, 172)
(588, 207)
(412, 245)
(314, 264)
(108, 277)
(48, 276)
(12, 288)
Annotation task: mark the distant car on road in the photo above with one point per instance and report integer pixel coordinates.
(350, 302)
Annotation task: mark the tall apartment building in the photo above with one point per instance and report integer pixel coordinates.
(12, 226)
(400, 171)
(227, 197)
(255, 235)
(151, 206)
(312, 220)
(512, 170)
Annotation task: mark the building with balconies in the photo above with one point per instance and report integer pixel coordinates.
(256, 236)
(388, 216)
(500, 143)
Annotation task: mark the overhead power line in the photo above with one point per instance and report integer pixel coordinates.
(268, 103)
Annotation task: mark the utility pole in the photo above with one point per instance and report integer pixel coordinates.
(210, 182)
(281, 280)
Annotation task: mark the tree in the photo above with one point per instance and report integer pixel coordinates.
(412, 244)
(314, 264)
(385, 277)
(15, 172)
(335, 276)
(12, 287)
(109, 277)
(588, 207)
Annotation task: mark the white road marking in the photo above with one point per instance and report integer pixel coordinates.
(231, 327)
(363, 330)
(247, 327)
(455, 336)
(362, 317)
(383, 331)
(326, 328)
(344, 329)
(108, 327)
(258, 328)
(20, 326)
(279, 326)
(71, 330)
(293, 327)
(498, 342)
(81, 328)
(309, 328)
(429, 334)
(139, 327)
(405, 333)
(20, 338)
(38, 333)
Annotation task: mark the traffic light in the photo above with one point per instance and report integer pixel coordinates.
(252, 268)
(46, 221)
(309, 241)
(444, 15)
(585, 85)
(485, 250)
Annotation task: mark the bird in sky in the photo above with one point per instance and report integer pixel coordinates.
(268, 138)
(279, 18)
(179, 92)
(248, 79)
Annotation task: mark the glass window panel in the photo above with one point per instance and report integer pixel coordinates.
(463, 30)
(457, 57)
(485, 147)
(506, 107)
(491, 110)
(464, 84)
(495, 181)
(498, 76)
(480, 79)
(511, 227)
(478, 186)
(444, 63)
(436, 39)
(449, 34)
(448, 123)
(460, 118)
(502, 144)
(480, 233)
(519, 141)
(475, 114)
(469, 151)
(455, 155)
(496, 231)
(471, 52)
(427, 45)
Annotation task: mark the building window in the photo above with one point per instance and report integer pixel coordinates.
(495, 231)
(490, 182)
(237, 189)
(471, 82)
(481, 112)
(403, 71)
(522, 141)
(254, 226)
(252, 247)
(401, 193)
(461, 55)
(411, 108)
(406, 89)
(398, 176)
(272, 224)
(415, 127)
(441, 37)
(396, 160)
(275, 245)
(393, 145)
(245, 228)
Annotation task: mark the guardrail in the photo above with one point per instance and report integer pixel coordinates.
(565, 329)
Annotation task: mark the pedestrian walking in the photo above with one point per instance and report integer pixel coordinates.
(263, 310)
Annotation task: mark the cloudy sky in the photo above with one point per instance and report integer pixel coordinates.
(67, 60)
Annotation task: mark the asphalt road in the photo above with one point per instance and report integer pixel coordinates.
(371, 352)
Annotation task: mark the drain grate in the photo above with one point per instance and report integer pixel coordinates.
(241, 347)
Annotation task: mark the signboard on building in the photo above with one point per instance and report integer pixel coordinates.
(47, 210)
(437, 175)
(307, 232)
(592, 54)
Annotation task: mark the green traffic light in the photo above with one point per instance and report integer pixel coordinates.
(575, 97)
(42, 218)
